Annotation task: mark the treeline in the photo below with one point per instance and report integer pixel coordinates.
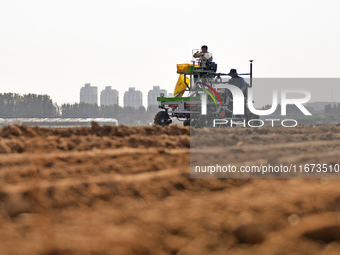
(292, 109)
(13, 105)
(332, 109)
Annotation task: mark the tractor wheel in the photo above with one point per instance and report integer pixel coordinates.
(194, 123)
(205, 121)
(162, 118)
(186, 123)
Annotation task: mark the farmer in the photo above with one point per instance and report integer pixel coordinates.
(237, 81)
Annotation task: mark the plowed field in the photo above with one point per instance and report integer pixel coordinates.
(127, 190)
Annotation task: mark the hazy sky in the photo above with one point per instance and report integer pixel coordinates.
(55, 47)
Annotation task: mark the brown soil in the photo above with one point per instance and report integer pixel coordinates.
(127, 190)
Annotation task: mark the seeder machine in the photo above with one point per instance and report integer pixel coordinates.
(197, 100)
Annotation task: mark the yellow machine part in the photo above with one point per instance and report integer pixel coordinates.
(184, 68)
(180, 86)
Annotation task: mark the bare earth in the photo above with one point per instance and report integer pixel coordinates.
(127, 190)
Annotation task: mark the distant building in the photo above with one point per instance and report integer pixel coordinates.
(133, 98)
(109, 96)
(154, 93)
(89, 94)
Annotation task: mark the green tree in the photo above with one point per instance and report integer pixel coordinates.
(14, 105)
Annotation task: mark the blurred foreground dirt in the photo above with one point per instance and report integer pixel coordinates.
(127, 190)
